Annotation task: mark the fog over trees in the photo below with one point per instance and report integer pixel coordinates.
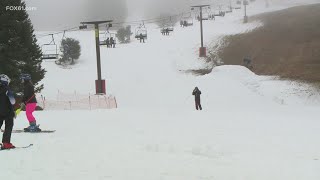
(61, 14)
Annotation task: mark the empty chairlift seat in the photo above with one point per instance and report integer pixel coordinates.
(50, 50)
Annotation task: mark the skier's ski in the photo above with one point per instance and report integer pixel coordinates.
(22, 131)
(19, 147)
(42, 131)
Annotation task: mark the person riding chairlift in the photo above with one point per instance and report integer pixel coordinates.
(141, 37)
(167, 32)
(108, 42)
(112, 43)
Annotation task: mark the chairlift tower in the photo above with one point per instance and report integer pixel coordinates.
(245, 3)
(100, 83)
(202, 50)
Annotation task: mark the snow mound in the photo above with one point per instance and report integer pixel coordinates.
(234, 71)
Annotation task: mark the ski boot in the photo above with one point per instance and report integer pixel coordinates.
(32, 128)
(7, 146)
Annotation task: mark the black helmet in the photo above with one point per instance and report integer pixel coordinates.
(4, 79)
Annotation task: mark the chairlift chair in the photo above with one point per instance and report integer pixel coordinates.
(166, 30)
(170, 25)
(229, 11)
(141, 32)
(220, 12)
(229, 8)
(50, 56)
(50, 50)
(107, 35)
(211, 14)
(206, 14)
(187, 20)
(104, 39)
(167, 27)
(83, 26)
(238, 4)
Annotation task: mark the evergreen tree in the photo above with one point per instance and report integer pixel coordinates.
(19, 52)
(70, 49)
(123, 34)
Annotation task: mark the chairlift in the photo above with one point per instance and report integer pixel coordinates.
(167, 27)
(230, 9)
(211, 13)
(83, 26)
(50, 50)
(141, 32)
(221, 12)
(166, 30)
(112, 39)
(186, 20)
(171, 24)
(206, 14)
(196, 14)
(107, 38)
(238, 4)
(103, 36)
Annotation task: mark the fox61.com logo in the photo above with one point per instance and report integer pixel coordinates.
(20, 8)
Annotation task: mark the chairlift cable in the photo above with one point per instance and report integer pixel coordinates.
(135, 22)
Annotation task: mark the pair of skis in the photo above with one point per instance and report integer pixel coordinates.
(19, 147)
(22, 131)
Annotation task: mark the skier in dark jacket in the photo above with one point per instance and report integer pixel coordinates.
(7, 113)
(112, 42)
(30, 101)
(141, 37)
(108, 42)
(196, 92)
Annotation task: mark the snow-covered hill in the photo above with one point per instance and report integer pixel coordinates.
(252, 127)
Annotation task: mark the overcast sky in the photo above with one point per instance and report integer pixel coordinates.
(61, 14)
